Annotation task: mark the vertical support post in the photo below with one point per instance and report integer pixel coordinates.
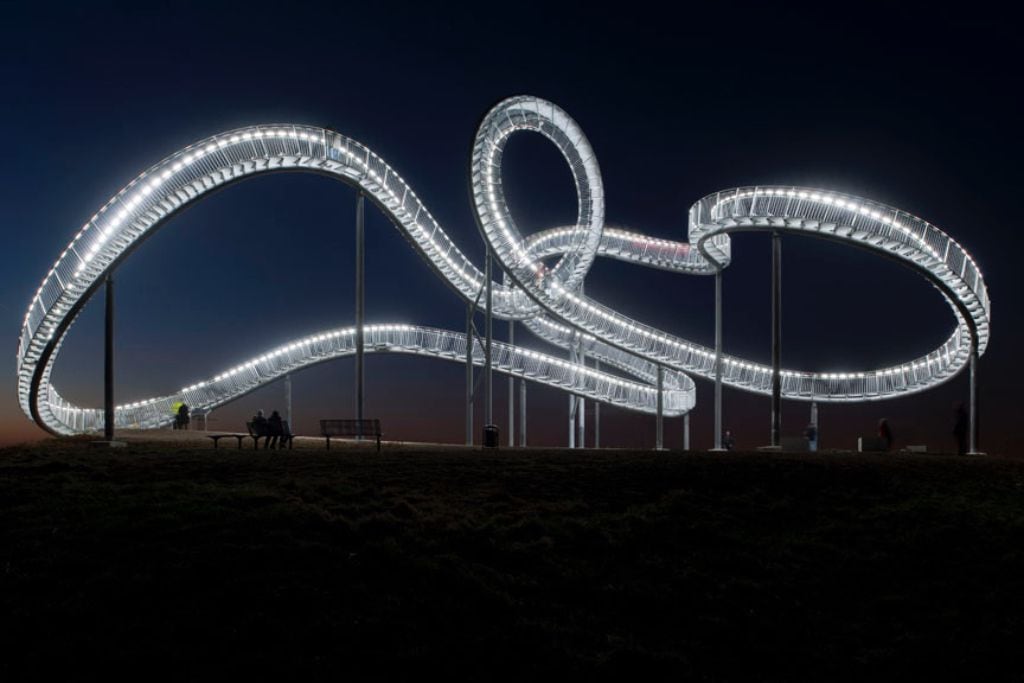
(511, 390)
(288, 400)
(597, 413)
(660, 431)
(581, 422)
(522, 412)
(581, 405)
(572, 401)
(718, 360)
(776, 338)
(972, 444)
(814, 421)
(360, 305)
(488, 374)
(469, 373)
(686, 432)
(108, 364)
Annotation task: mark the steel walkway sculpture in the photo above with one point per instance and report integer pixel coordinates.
(549, 301)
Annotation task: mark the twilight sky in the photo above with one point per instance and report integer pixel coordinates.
(912, 107)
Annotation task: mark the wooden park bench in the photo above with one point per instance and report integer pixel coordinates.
(350, 429)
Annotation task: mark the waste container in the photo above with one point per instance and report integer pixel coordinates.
(490, 436)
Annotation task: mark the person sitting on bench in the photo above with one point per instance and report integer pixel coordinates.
(259, 428)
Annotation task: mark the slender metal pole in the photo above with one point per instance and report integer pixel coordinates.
(776, 337)
(360, 305)
(522, 412)
(469, 374)
(973, 444)
(581, 423)
(511, 390)
(108, 365)
(686, 432)
(660, 432)
(488, 368)
(814, 421)
(581, 410)
(572, 401)
(718, 361)
(288, 400)
(597, 413)
(581, 404)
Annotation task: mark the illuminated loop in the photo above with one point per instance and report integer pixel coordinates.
(496, 221)
(549, 302)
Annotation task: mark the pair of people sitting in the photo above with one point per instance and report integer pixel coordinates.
(272, 428)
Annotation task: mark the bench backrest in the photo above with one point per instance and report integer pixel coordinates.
(350, 427)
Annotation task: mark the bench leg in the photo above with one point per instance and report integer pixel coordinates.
(239, 438)
(378, 443)
(328, 443)
(215, 443)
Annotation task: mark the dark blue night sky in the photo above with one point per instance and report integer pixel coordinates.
(909, 107)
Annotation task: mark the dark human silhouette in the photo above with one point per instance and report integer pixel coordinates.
(960, 429)
(884, 434)
(181, 419)
(728, 442)
(811, 434)
(275, 429)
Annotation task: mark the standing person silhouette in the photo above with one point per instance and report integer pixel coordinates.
(181, 420)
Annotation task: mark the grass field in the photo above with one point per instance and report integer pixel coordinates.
(174, 560)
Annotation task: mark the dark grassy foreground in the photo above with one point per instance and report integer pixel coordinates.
(169, 559)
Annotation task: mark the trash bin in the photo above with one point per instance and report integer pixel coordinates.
(490, 436)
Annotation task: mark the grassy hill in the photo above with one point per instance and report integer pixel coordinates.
(168, 559)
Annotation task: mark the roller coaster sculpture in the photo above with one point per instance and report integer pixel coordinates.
(549, 301)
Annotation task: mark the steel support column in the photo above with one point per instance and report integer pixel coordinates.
(814, 421)
(581, 405)
(108, 364)
(572, 401)
(973, 443)
(522, 412)
(511, 389)
(660, 430)
(776, 338)
(597, 413)
(686, 432)
(718, 361)
(469, 374)
(360, 305)
(288, 400)
(489, 326)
